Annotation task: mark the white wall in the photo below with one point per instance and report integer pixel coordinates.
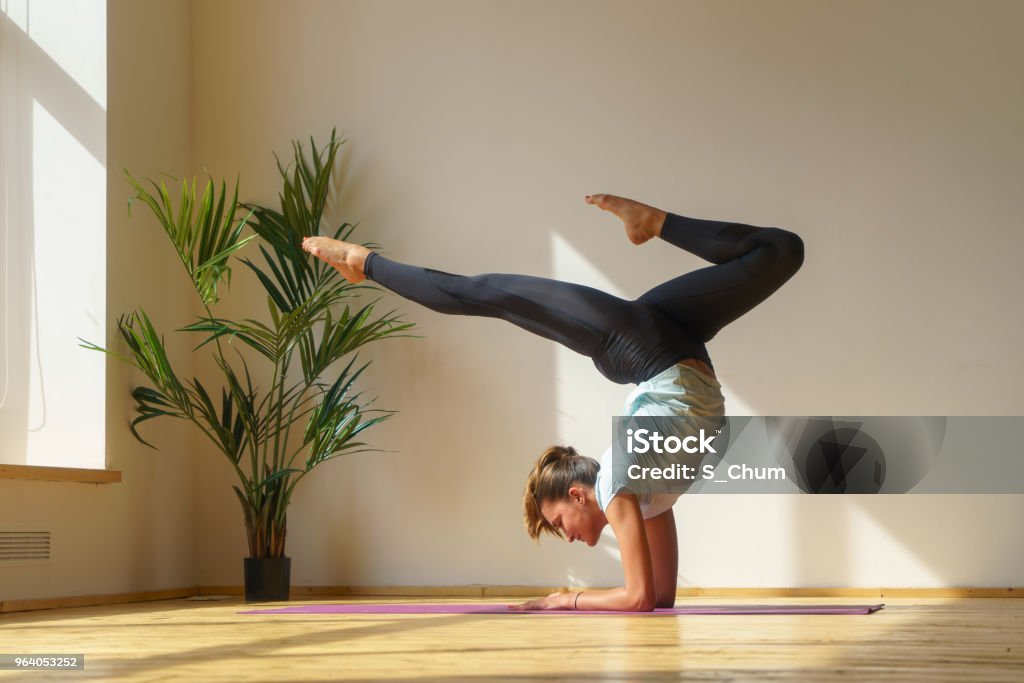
(138, 535)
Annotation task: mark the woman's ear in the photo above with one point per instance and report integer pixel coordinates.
(577, 494)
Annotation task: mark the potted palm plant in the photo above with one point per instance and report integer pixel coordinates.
(275, 435)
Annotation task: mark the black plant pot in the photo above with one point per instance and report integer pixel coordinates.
(267, 578)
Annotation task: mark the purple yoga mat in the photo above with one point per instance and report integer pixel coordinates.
(478, 608)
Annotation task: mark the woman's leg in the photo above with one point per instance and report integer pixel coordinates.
(751, 263)
(576, 316)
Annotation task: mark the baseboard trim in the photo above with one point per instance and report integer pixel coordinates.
(307, 592)
(94, 600)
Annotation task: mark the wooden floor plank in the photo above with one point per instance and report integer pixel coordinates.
(172, 640)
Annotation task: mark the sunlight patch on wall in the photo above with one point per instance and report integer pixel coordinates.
(889, 554)
(65, 419)
(734, 403)
(583, 396)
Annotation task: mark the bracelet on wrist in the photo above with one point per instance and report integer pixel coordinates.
(576, 602)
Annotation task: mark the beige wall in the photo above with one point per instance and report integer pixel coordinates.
(138, 535)
(886, 134)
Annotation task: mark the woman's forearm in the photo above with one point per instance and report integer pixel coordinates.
(613, 599)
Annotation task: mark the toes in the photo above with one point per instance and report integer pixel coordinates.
(311, 245)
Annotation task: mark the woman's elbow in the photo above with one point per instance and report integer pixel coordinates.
(645, 606)
(642, 603)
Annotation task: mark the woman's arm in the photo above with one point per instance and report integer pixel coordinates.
(661, 537)
(639, 593)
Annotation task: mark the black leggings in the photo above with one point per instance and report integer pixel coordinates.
(629, 341)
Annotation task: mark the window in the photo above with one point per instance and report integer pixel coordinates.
(53, 178)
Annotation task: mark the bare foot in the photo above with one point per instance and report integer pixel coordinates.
(642, 222)
(345, 257)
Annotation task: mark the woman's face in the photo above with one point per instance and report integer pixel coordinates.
(578, 515)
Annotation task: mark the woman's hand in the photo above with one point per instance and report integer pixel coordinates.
(554, 601)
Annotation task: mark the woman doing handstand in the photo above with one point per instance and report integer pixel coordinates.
(656, 342)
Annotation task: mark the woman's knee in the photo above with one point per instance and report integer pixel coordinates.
(789, 249)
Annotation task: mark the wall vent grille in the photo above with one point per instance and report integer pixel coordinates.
(24, 545)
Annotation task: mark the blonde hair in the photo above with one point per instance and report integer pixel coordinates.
(557, 469)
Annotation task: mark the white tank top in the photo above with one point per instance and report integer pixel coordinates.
(678, 391)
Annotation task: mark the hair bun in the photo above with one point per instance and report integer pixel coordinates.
(557, 469)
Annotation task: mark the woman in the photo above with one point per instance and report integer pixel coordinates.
(657, 342)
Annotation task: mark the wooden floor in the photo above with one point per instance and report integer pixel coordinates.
(910, 640)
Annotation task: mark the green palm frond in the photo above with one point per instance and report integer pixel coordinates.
(205, 233)
(149, 354)
(227, 426)
(308, 184)
(252, 332)
(337, 419)
(246, 401)
(291, 275)
(340, 337)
